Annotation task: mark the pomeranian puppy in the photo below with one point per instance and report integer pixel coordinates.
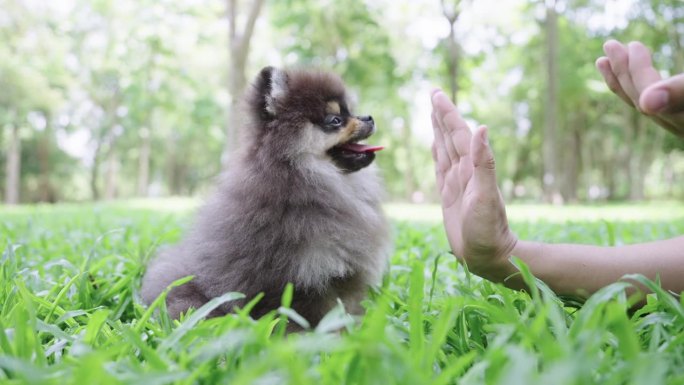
(300, 203)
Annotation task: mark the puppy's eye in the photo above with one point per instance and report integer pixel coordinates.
(333, 121)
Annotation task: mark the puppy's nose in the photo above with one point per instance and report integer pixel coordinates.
(366, 118)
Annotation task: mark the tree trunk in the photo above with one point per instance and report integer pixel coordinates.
(144, 162)
(669, 175)
(636, 181)
(607, 151)
(551, 137)
(46, 192)
(522, 158)
(177, 177)
(111, 173)
(573, 161)
(172, 169)
(236, 86)
(610, 182)
(238, 50)
(453, 49)
(676, 40)
(13, 168)
(634, 149)
(95, 172)
(409, 177)
(644, 142)
(452, 63)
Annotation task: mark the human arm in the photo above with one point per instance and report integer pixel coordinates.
(477, 227)
(583, 269)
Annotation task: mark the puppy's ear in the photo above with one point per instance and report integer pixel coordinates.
(271, 87)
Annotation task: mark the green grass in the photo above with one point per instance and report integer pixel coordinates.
(70, 314)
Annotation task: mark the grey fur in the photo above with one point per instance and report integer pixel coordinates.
(283, 212)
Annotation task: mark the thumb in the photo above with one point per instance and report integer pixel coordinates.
(665, 96)
(484, 172)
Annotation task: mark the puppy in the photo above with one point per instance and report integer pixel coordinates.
(299, 204)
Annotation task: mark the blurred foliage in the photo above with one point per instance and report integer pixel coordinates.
(127, 98)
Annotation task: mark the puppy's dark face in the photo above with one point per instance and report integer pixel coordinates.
(345, 131)
(307, 113)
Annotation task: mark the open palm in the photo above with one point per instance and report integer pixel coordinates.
(472, 206)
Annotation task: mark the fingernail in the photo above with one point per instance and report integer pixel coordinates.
(610, 46)
(657, 101)
(433, 95)
(606, 46)
(600, 64)
(599, 67)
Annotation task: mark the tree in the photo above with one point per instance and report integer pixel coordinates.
(451, 9)
(24, 90)
(154, 103)
(550, 147)
(238, 46)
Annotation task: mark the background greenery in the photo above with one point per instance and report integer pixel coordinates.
(103, 99)
(110, 99)
(70, 313)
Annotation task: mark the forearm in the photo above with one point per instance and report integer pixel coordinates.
(583, 269)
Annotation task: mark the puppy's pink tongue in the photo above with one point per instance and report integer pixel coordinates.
(356, 147)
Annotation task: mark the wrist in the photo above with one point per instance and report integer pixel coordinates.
(507, 273)
(498, 267)
(537, 259)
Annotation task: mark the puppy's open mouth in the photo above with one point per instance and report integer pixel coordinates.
(353, 156)
(358, 148)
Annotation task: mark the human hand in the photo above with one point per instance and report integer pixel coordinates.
(473, 208)
(629, 73)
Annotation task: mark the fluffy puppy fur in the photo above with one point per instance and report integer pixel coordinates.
(299, 204)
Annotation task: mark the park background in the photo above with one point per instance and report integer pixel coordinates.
(108, 99)
(117, 116)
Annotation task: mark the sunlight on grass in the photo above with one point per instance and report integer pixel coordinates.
(637, 212)
(173, 204)
(180, 205)
(429, 214)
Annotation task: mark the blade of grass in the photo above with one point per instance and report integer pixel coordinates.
(415, 309)
(161, 299)
(196, 317)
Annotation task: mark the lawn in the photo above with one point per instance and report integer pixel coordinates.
(70, 314)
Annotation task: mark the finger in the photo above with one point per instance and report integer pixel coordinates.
(459, 132)
(619, 63)
(441, 106)
(442, 162)
(484, 173)
(640, 66)
(440, 169)
(452, 124)
(665, 96)
(603, 65)
(438, 138)
(439, 150)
